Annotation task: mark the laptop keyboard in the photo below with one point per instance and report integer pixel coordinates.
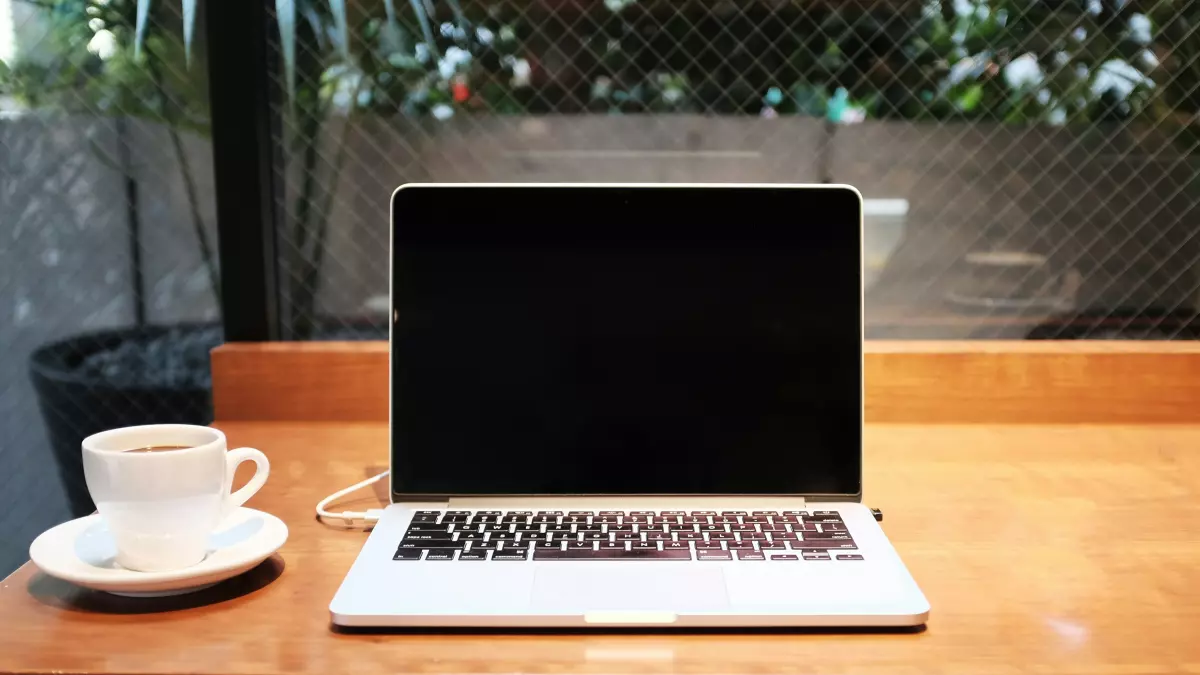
(627, 535)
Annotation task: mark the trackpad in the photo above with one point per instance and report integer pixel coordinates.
(576, 589)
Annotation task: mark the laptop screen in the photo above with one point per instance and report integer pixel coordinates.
(626, 340)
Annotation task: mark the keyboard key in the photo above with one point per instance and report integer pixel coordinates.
(454, 519)
(714, 545)
(712, 528)
(619, 528)
(833, 527)
(609, 520)
(825, 513)
(470, 536)
(571, 520)
(579, 513)
(720, 536)
(627, 536)
(641, 513)
(771, 546)
(784, 536)
(785, 556)
(779, 520)
(724, 519)
(675, 545)
(815, 556)
(611, 513)
(644, 545)
(851, 556)
(407, 554)
(824, 519)
(428, 527)
(750, 555)
(658, 536)
(612, 554)
(431, 544)
(733, 513)
(820, 546)
(708, 554)
(752, 536)
(427, 536)
(502, 536)
(580, 546)
(611, 545)
(496, 527)
(704, 513)
(549, 513)
(473, 555)
(535, 536)
(559, 529)
(766, 513)
(544, 520)
(756, 519)
(510, 555)
(440, 555)
(425, 517)
(672, 513)
(798, 514)
(742, 528)
(689, 536)
(594, 536)
(458, 513)
(478, 519)
(740, 545)
(549, 544)
(484, 545)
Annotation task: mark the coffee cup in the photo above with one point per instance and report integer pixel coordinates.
(162, 489)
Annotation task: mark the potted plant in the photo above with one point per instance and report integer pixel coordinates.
(126, 59)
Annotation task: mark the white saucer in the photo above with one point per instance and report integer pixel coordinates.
(83, 552)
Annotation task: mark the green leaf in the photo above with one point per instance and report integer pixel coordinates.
(426, 28)
(338, 9)
(285, 15)
(971, 97)
(139, 32)
(392, 36)
(189, 29)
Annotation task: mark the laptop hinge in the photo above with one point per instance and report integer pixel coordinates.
(635, 502)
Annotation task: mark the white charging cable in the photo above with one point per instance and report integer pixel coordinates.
(348, 517)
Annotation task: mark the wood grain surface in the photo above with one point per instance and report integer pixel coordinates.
(1043, 549)
(1033, 382)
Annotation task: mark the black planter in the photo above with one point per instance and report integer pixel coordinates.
(77, 399)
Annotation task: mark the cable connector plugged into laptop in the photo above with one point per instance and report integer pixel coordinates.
(878, 515)
(348, 518)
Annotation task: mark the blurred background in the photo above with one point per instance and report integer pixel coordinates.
(1030, 168)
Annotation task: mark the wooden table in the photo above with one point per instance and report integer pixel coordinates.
(1042, 549)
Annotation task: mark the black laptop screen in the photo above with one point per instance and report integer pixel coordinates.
(626, 341)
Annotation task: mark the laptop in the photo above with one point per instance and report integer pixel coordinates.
(627, 405)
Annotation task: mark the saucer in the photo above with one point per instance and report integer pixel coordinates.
(83, 552)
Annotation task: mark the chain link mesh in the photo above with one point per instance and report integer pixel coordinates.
(1030, 167)
(105, 187)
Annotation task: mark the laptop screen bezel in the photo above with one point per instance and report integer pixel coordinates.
(838, 206)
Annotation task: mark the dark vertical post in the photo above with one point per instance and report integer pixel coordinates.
(240, 68)
(134, 218)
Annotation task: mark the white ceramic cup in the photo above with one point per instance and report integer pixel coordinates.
(161, 507)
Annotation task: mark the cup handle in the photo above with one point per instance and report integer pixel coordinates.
(232, 459)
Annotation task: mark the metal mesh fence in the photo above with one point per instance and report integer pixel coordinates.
(107, 222)
(1030, 166)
